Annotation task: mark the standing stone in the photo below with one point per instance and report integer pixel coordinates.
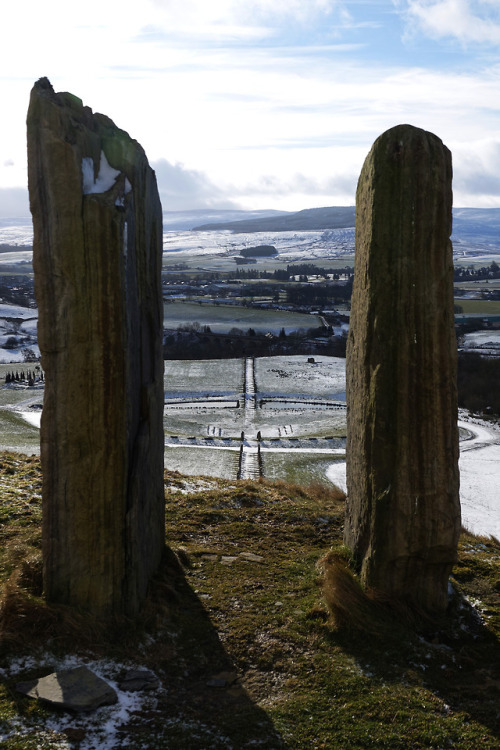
(403, 511)
(97, 259)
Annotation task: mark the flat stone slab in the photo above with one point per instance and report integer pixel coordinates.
(228, 559)
(76, 689)
(251, 557)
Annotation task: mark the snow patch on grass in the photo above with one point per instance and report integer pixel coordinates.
(101, 727)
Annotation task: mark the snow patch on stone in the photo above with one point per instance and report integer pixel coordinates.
(106, 177)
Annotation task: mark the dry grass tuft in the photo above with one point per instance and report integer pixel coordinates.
(349, 605)
(355, 608)
(315, 491)
(24, 618)
(30, 575)
(320, 492)
(28, 619)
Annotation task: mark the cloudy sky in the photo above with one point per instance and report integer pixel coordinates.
(261, 103)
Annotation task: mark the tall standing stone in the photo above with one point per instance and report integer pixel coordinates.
(97, 259)
(403, 510)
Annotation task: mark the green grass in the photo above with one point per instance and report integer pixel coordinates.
(292, 679)
(221, 317)
(209, 377)
(479, 306)
(17, 433)
(196, 461)
(304, 468)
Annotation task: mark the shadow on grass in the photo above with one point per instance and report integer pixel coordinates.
(456, 658)
(202, 704)
(464, 674)
(202, 682)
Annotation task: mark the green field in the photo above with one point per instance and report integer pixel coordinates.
(479, 306)
(222, 317)
(214, 377)
(15, 432)
(302, 468)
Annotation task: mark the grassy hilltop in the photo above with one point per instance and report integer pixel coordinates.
(239, 632)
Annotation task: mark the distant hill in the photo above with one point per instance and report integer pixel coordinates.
(473, 228)
(334, 217)
(184, 220)
(477, 221)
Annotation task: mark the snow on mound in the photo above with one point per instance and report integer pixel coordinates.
(480, 477)
(16, 311)
(32, 417)
(336, 473)
(479, 465)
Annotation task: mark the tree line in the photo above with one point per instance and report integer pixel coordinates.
(21, 377)
(470, 273)
(303, 270)
(478, 379)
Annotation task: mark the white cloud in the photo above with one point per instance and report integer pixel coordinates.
(14, 203)
(298, 191)
(182, 188)
(233, 11)
(235, 99)
(249, 20)
(476, 179)
(469, 21)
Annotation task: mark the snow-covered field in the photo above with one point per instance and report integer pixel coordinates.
(16, 232)
(484, 342)
(480, 476)
(475, 238)
(191, 378)
(291, 246)
(223, 317)
(293, 431)
(289, 376)
(19, 325)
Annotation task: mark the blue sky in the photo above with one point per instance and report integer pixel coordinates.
(262, 103)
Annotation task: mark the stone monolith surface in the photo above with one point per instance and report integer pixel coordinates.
(97, 259)
(403, 511)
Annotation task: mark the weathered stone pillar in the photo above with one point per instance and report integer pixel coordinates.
(403, 510)
(97, 258)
